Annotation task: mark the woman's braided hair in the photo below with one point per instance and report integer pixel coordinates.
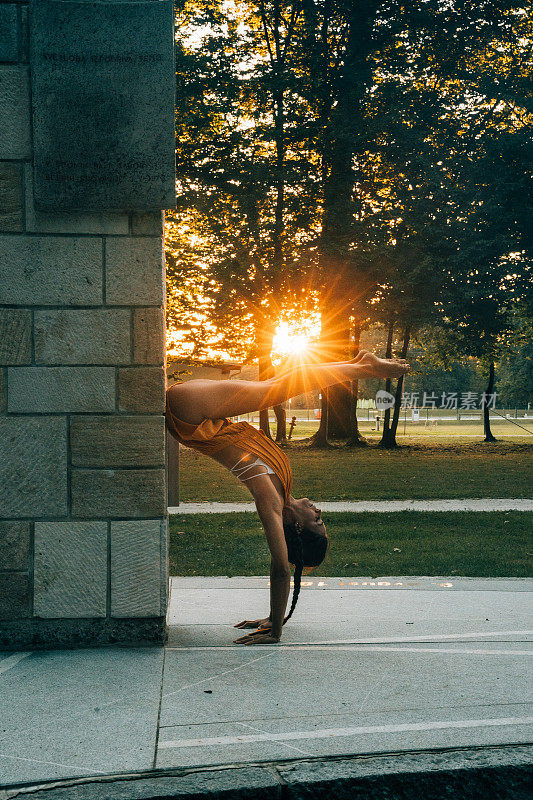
(306, 548)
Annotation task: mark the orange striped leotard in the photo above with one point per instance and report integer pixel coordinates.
(212, 435)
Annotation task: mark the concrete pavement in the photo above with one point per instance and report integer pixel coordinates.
(366, 666)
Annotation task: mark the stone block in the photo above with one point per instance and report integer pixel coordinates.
(3, 390)
(15, 595)
(8, 33)
(35, 632)
(103, 105)
(15, 133)
(14, 545)
(33, 467)
(141, 389)
(117, 441)
(10, 197)
(15, 336)
(462, 774)
(149, 336)
(136, 568)
(134, 272)
(70, 569)
(165, 580)
(34, 390)
(24, 32)
(118, 493)
(203, 783)
(50, 270)
(150, 224)
(70, 222)
(95, 336)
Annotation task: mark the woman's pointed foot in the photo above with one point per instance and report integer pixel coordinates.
(383, 367)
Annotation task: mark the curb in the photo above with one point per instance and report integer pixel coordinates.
(503, 772)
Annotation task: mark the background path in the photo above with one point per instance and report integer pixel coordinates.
(483, 504)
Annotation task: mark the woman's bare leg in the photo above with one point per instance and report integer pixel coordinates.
(309, 377)
(197, 400)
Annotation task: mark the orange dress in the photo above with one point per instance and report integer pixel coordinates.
(212, 435)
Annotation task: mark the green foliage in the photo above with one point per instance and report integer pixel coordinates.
(227, 231)
(376, 151)
(515, 369)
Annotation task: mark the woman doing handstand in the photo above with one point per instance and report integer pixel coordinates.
(197, 414)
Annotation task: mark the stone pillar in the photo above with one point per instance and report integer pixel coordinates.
(83, 520)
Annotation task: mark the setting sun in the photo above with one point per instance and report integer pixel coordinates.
(294, 338)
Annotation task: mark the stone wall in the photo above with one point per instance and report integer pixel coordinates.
(83, 522)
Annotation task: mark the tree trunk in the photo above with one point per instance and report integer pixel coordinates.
(386, 417)
(276, 49)
(388, 440)
(320, 438)
(335, 243)
(339, 396)
(399, 385)
(486, 415)
(264, 423)
(336, 399)
(281, 423)
(356, 437)
(264, 345)
(278, 259)
(339, 411)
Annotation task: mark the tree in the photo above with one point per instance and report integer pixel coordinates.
(462, 173)
(349, 146)
(515, 366)
(241, 179)
(336, 39)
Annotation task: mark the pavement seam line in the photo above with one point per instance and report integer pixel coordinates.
(429, 638)
(270, 765)
(11, 661)
(326, 733)
(386, 649)
(409, 709)
(157, 727)
(284, 744)
(219, 675)
(91, 771)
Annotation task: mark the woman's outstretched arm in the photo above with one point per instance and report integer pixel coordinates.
(197, 400)
(270, 509)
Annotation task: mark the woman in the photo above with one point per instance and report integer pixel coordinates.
(197, 415)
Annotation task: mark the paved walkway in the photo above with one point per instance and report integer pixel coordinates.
(377, 506)
(367, 665)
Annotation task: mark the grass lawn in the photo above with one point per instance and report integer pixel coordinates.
(452, 543)
(468, 427)
(451, 468)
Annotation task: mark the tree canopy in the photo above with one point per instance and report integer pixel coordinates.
(369, 159)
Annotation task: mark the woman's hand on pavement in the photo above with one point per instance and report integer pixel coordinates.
(264, 624)
(258, 637)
